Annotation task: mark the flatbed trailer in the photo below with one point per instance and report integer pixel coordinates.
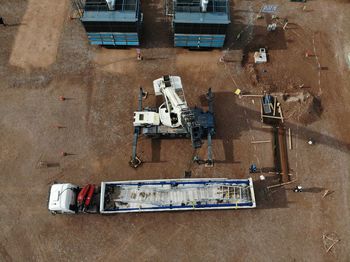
(156, 195)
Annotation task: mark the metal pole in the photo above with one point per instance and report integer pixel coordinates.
(209, 162)
(210, 98)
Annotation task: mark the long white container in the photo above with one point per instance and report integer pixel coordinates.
(176, 195)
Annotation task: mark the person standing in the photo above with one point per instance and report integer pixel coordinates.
(298, 189)
(2, 22)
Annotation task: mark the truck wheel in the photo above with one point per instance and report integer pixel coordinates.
(53, 213)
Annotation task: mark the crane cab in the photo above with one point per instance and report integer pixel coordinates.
(146, 118)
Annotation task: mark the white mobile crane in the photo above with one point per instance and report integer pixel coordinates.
(174, 118)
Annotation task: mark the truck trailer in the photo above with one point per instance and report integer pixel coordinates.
(152, 195)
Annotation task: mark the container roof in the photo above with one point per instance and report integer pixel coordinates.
(98, 11)
(202, 18)
(120, 5)
(108, 16)
(189, 11)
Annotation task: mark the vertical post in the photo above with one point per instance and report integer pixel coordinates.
(210, 161)
(210, 98)
(139, 56)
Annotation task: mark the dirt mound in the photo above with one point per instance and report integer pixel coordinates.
(302, 107)
(311, 110)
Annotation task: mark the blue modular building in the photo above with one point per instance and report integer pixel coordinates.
(113, 22)
(200, 23)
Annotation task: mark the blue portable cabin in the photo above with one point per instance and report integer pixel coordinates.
(200, 23)
(113, 22)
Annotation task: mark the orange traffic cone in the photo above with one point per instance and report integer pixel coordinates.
(308, 54)
(64, 153)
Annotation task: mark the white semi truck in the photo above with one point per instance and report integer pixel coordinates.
(152, 195)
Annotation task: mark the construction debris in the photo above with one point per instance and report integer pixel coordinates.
(302, 107)
(329, 241)
(271, 27)
(42, 164)
(327, 192)
(269, 9)
(270, 109)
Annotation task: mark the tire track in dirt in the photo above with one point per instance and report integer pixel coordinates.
(4, 255)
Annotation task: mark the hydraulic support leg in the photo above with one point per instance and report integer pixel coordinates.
(135, 160)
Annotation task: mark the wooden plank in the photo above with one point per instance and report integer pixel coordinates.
(280, 110)
(290, 139)
(283, 155)
(260, 141)
(251, 95)
(282, 184)
(275, 117)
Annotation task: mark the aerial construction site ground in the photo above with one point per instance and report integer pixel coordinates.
(44, 55)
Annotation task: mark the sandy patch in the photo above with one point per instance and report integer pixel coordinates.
(115, 61)
(37, 39)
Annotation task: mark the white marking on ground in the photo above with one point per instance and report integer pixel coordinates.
(318, 65)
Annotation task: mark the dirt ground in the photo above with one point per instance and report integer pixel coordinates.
(44, 55)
